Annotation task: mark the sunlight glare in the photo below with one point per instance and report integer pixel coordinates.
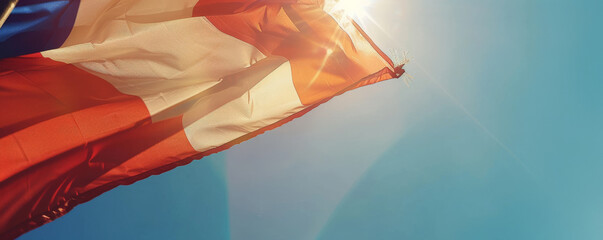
(352, 8)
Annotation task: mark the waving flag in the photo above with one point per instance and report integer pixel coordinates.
(100, 93)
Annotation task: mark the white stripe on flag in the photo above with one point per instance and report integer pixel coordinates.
(163, 64)
(270, 98)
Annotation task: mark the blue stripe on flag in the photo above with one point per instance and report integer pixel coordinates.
(37, 25)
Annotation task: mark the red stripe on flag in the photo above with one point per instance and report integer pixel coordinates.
(51, 107)
(86, 129)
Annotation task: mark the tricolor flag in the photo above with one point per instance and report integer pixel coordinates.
(100, 93)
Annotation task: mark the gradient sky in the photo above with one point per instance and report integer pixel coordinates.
(499, 136)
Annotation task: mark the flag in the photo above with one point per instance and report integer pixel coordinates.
(100, 93)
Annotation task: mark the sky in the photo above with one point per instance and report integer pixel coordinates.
(497, 136)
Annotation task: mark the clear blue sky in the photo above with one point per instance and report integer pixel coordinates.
(499, 136)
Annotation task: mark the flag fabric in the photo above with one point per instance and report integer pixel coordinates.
(99, 93)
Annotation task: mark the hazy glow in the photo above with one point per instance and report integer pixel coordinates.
(352, 8)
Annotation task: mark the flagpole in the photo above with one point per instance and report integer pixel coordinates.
(8, 8)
